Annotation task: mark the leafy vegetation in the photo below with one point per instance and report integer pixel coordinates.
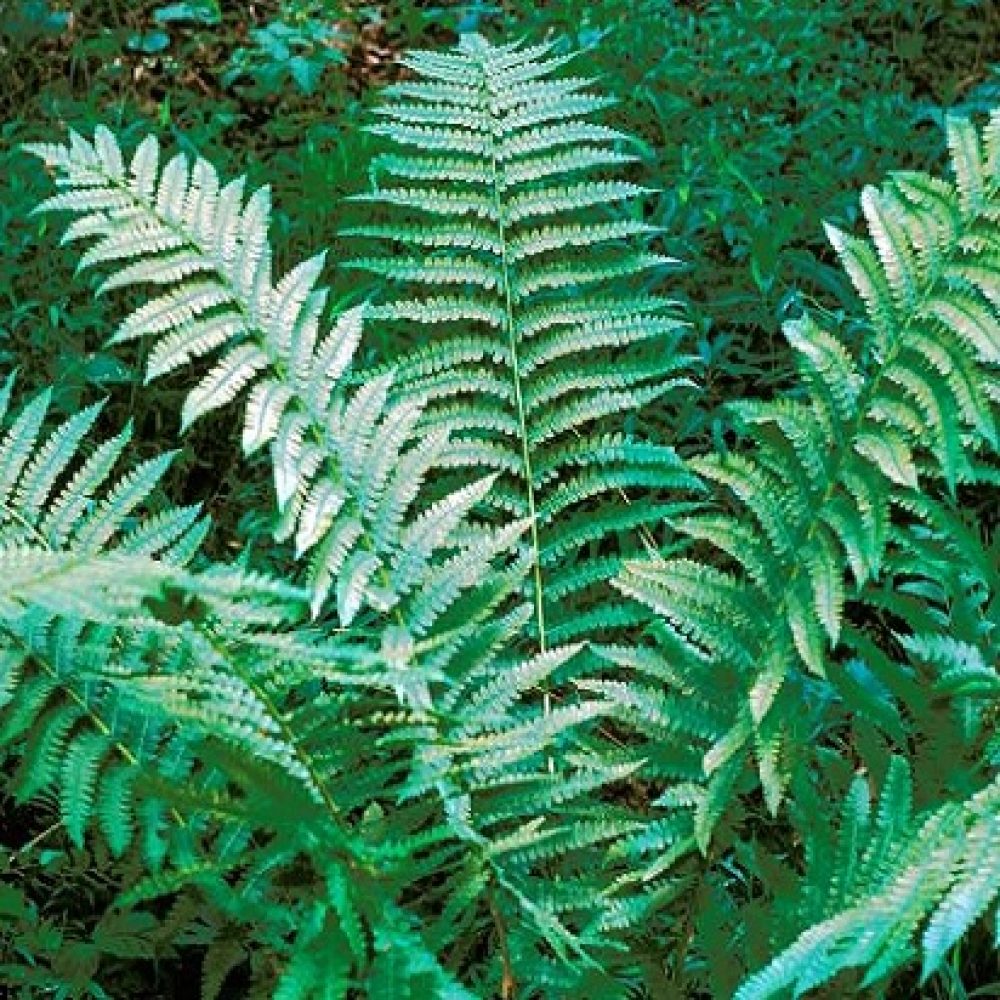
(578, 579)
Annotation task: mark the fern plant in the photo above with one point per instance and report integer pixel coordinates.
(829, 467)
(509, 240)
(118, 663)
(174, 714)
(847, 504)
(483, 750)
(866, 892)
(450, 764)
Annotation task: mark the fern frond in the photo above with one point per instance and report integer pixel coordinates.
(501, 166)
(828, 469)
(204, 246)
(896, 873)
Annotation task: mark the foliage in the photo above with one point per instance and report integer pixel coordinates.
(497, 191)
(816, 494)
(413, 740)
(761, 121)
(298, 46)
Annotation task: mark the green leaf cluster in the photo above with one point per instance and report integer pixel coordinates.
(554, 702)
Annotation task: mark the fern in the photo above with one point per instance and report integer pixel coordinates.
(348, 469)
(544, 338)
(448, 787)
(84, 579)
(896, 871)
(165, 709)
(915, 671)
(829, 467)
(429, 574)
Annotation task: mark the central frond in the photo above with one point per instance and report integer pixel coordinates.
(514, 246)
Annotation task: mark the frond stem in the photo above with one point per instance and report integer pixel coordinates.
(522, 420)
(16, 515)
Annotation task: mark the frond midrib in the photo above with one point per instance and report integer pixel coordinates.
(497, 188)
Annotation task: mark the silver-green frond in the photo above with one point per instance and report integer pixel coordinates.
(807, 512)
(349, 468)
(511, 243)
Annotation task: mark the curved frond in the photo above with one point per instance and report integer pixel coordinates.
(819, 486)
(203, 246)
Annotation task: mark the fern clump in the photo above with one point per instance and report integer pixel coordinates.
(415, 577)
(450, 759)
(831, 465)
